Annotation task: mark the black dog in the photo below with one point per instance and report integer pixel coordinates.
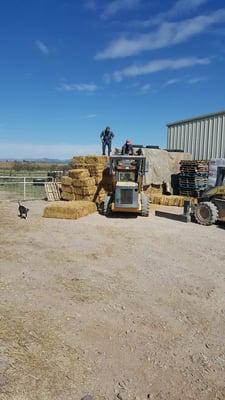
(23, 211)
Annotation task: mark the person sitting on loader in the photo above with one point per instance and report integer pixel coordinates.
(106, 138)
(127, 148)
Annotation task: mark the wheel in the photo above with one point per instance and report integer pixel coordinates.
(144, 205)
(107, 209)
(206, 213)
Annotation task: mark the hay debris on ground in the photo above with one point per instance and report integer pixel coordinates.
(69, 209)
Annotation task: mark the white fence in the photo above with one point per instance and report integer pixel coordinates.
(23, 187)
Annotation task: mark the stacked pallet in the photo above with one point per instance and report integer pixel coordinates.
(193, 177)
(89, 180)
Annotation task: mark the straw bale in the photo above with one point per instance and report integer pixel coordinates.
(164, 200)
(79, 159)
(78, 174)
(67, 196)
(82, 197)
(95, 159)
(68, 189)
(69, 209)
(78, 166)
(66, 181)
(83, 182)
(85, 190)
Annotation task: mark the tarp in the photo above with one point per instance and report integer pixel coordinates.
(162, 164)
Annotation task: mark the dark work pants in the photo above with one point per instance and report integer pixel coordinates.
(104, 145)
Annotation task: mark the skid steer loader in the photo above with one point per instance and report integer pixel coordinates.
(127, 194)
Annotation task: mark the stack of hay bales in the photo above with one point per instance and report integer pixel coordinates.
(89, 180)
(69, 209)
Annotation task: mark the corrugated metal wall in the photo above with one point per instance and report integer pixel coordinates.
(203, 137)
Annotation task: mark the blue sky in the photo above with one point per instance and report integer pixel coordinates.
(68, 68)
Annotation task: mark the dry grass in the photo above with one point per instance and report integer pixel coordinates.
(82, 290)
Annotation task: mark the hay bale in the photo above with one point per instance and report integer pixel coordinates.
(83, 182)
(69, 209)
(67, 196)
(68, 189)
(94, 159)
(177, 201)
(78, 174)
(85, 190)
(82, 197)
(66, 181)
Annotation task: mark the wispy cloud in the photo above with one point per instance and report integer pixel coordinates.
(90, 5)
(178, 9)
(113, 7)
(193, 81)
(171, 82)
(91, 116)
(145, 88)
(42, 47)
(158, 65)
(10, 150)
(79, 87)
(168, 34)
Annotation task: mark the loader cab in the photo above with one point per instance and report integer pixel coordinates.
(127, 195)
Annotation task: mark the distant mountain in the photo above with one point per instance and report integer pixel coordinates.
(39, 160)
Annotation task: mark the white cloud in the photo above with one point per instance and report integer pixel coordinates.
(172, 81)
(158, 65)
(168, 34)
(42, 47)
(145, 88)
(79, 87)
(107, 79)
(180, 8)
(115, 6)
(90, 5)
(193, 81)
(30, 150)
(92, 116)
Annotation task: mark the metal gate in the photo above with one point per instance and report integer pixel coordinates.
(23, 187)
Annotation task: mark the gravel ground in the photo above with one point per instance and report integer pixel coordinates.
(121, 308)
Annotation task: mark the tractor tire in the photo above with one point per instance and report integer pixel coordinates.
(144, 205)
(107, 209)
(206, 213)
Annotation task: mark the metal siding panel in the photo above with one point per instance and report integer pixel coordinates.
(193, 144)
(223, 139)
(204, 138)
(201, 142)
(186, 137)
(214, 137)
(197, 153)
(210, 133)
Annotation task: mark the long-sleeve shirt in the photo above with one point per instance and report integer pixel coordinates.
(107, 136)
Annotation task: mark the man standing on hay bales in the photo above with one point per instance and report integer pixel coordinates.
(106, 138)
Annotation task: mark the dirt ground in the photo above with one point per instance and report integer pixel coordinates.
(121, 308)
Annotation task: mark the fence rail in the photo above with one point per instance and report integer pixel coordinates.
(23, 187)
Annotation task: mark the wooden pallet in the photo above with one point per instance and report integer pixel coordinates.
(52, 190)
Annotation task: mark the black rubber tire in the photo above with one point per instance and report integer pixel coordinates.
(206, 213)
(106, 208)
(144, 205)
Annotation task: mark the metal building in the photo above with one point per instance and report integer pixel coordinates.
(202, 136)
